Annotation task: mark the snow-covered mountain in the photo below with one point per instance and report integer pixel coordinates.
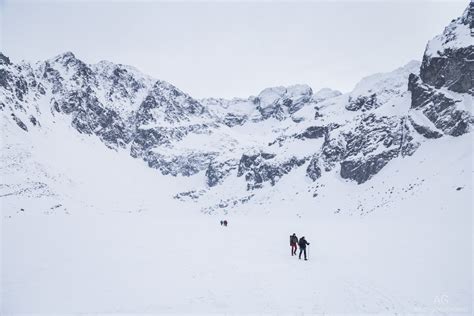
(105, 173)
(234, 148)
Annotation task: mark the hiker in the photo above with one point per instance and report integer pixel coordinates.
(302, 243)
(222, 223)
(225, 223)
(293, 242)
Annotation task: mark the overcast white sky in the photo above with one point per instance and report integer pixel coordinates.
(227, 49)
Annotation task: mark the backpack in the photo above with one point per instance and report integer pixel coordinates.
(302, 243)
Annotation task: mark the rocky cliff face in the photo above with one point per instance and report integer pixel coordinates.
(444, 89)
(261, 139)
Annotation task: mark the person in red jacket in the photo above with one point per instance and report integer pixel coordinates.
(293, 242)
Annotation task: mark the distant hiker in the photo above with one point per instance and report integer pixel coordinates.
(302, 243)
(222, 223)
(225, 223)
(293, 242)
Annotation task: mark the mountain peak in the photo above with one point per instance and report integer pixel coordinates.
(468, 15)
(456, 35)
(412, 65)
(293, 90)
(4, 60)
(325, 93)
(66, 56)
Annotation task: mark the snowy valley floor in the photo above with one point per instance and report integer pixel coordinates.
(109, 243)
(145, 263)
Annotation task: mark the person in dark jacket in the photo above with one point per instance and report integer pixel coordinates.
(293, 243)
(302, 243)
(225, 223)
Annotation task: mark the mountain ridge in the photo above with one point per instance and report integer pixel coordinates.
(262, 138)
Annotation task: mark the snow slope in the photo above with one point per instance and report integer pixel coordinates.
(411, 257)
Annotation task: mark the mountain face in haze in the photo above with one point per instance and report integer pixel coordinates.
(258, 140)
